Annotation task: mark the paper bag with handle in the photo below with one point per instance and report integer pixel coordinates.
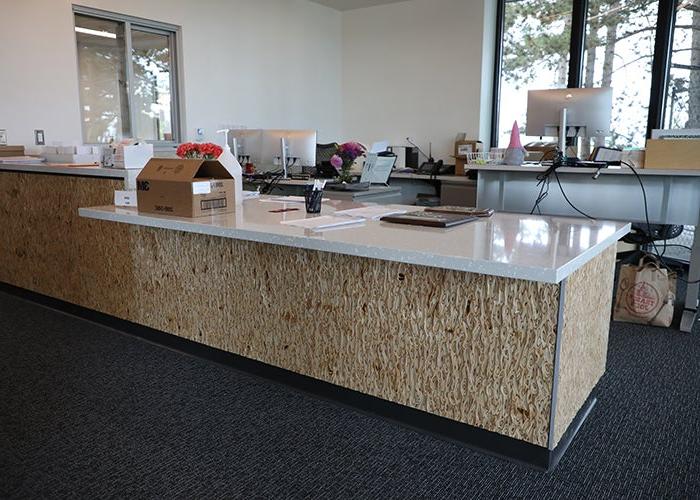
(645, 294)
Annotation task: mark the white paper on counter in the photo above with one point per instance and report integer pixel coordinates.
(324, 222)
(372, 213)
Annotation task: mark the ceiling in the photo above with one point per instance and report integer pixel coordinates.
(354, 4)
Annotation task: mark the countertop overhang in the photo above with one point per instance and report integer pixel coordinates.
(40, 168)
(528, 247)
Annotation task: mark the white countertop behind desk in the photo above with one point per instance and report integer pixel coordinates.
(537, 168)
(113, 173)
(545, 249)
(129, 176)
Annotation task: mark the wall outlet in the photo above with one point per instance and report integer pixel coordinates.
(39, 138)
(3, 137)
(200, 134)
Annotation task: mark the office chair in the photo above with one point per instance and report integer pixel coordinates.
(643, 236)
(324, 152)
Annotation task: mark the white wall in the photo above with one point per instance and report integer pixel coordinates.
(420, 68)
(260, 63)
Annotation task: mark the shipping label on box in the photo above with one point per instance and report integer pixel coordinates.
(185, 188)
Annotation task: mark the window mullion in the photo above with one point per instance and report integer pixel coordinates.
(174, 89)
(131, 84)
(498, 72)
(579, 20)
(661, 64)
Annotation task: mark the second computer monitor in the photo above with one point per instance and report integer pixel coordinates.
(588, 112)
(300, 152)
(248, 144)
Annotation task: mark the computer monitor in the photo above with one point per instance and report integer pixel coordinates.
(300, 149)
(247, 145)
(565, 113)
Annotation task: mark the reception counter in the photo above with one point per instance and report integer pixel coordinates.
(493, 334)
(498, 327)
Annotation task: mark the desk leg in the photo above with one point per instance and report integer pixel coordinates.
(691, 299)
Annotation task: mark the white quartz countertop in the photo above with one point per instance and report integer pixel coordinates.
(545, 249)
(111, 173)
(537, 168)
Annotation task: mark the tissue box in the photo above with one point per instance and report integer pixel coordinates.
(133, 157)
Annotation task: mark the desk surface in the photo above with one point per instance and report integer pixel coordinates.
(577, 170)
(111, 173)
(545, 249)
(453, 179)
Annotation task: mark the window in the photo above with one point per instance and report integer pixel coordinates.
(620, 39)
(683, 93)
(630, 45)
(127, 78)
(536, 40)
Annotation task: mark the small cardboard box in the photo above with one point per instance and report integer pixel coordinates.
(467, 146)
(185, 188)
(462, 148)
(673, 154)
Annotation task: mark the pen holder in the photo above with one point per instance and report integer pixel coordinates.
(313, 200)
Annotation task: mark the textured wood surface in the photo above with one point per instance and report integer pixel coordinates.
(472, 348)
(46, 247)
(584, 342)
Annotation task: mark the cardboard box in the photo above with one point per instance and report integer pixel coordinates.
(461, 150)
(461, 166)
(6, 151)
(467, 146)
(185, 188)
(673, 154)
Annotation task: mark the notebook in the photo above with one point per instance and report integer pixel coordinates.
(430, 219)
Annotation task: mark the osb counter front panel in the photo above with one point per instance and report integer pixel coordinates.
(473, 348)
(46, 247)
(584, 343)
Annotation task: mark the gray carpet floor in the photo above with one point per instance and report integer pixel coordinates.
(88, 412)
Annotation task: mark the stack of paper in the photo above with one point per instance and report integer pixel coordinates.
(371, 213)
(289, 199)
(324, 222)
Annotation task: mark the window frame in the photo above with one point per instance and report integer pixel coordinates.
(661, 63)
(173, 33)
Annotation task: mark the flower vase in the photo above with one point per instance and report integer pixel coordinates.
(345, 175)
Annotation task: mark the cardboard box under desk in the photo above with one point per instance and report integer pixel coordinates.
(185, 188)
(673, 154)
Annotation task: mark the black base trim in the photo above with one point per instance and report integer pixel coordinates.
(473, 437)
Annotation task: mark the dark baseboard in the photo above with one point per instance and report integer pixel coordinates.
(473, 437)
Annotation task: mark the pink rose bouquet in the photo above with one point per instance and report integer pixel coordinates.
(345, 157)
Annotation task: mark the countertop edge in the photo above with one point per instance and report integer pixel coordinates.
(110, 173)
(552, 276)
(585, 170)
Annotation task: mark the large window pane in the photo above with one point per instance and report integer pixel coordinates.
(535, 56)
(683, 100)
(619, 54)
(152, 95)
(102, 79)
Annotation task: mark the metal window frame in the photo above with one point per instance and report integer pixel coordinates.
(173, 33)
(661, 64)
